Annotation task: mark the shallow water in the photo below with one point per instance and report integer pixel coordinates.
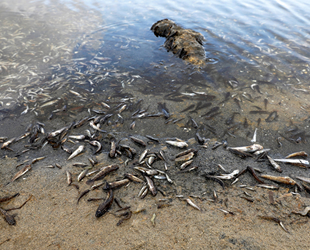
(257, 60)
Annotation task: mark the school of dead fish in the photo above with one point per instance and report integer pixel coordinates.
(138, 151)
(35, 100)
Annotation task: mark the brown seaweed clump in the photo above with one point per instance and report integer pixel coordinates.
(185, 43)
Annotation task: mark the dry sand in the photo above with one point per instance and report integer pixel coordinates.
(53, 220)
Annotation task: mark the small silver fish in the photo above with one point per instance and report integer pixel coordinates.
(142, 156)
(248, 149)
(185, 164)
(274, 164)
(133, 178)
(49, 103)
(96, 144)
(38, 159)
(228, 176)
(77, 137)
(151, 185)
(254, 136)
(77, 151)
(82, 175)
(7, 143)
(21, 172)
(69, 178)
(179, 144)
(294, 161)
(191, 203)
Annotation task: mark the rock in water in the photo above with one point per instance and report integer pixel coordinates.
(185, 43)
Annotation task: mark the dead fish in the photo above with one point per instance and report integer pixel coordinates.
(126, 216)
(105, 206)
(75, 93)
(133, 178)
(69, 178)
(259, 112)
(212, 111)
(96, 144)
(150, 160)
(122, 108)
(248, 149)
(303, 213)
(92, 161)
(300, 154)
(255, 86)
(23, 136)
(76, 152)
(103, 172)
(66, 149)
(57, 132)
(185, 164)
(272, 116)
(80, 164)
(185, 152)
(274, 164)
(226, 211)
(132, 125)
(151, 185)
(115, 184)
(143, 192)
(38, 159)
(80, 123)
(147, 171)
(228, 176)
(77, 137)
(216, 145)
(97, 185)
(82, 175)
(152, 138)
(194, 123)
(142, 156)
(268, 186)
(7, 143)
(186, 157)
(138, 141)
(191, 203)
(285, 180)
(82, 194)
(301, 178)
(153, 219)
(254, 136)
(50, 103)
(96, 127)
(275, 220)
(8, 218)
(113, 149)
(169, 179)
(298, 162)
(21, 172)
(188, 108)
(105, 105)
(200, 140)
(179, 144)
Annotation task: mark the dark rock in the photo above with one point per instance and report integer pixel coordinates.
(185, 43)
